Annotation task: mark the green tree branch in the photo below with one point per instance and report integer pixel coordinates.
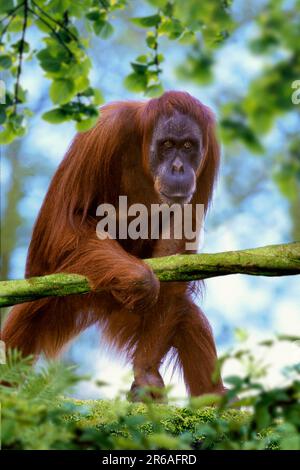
(273, 260)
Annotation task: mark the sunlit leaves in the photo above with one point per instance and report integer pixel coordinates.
(55, 116)
(154, 90)
(98, 18)
(5, 61)
(62, 56)
(104, 29)
(147, 21)
(139, 67)
(68, 69)
(146, 68)
(85, 124)
(21, 45)
(49, 62)
(12, 123)
(136, 82)
(233, 129)
(6, 6)
(85, 115)
(2, 114)
(145, 76)
(13, 127)
(198, 66)
(151, 40)
(213, 20)
(287, 171)
(62, 91)
(171, 27)
(158, 3)
(176, 22)
(64, 59)
(270, 95)
(205, 29)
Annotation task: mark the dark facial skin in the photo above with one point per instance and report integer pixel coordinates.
(175, 156)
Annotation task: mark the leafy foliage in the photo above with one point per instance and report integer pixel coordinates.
(185, 23)
(269, 97)
(35, 415)
(63, 57)
(65, 30)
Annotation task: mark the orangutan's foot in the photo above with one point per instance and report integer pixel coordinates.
(148, 386)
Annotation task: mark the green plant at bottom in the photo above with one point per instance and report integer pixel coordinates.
(37, 414)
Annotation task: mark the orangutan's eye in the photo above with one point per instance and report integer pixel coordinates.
(168, 144)
(188, 145)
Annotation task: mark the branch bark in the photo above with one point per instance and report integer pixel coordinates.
(272, 260)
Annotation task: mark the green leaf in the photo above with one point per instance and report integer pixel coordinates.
(98, 97)
(62, 91)
(139, 67)
(16, 25)
(234, 380)
(263, 417)
(147, 21)
(240, 334)
(6, 6)
(89, 91)
(151, 40)
(21, 95)
(48, 62)
(154, 90)
(5, 61)
(21, 44)
(8, 134)
(158, 3)
(142, 59)
(187, 37)
(17, 122)
(233, 128)
(168, 10)
(2, 114)
(173, 28)
(94, 14)
(209, 399)
(86, 124)
(136, 82)
(56, 116)
(81, 83)
(103, 29)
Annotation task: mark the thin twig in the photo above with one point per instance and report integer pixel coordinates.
(53, 31)
(7, 25)
(156, 63)
(55, 21)
(21, 50)
(12, 12)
